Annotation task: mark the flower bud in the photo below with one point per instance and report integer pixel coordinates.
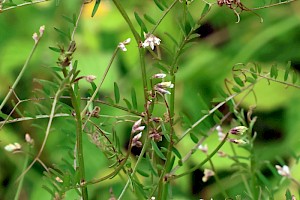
(239, 130)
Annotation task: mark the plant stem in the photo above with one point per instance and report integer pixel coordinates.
(20, 75)
(144, 149)
(22, 178)
(23, 4)
(101, 82)
(79, 144)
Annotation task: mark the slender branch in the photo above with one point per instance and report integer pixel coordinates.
(20, 74)
(100, 84)
(163, 16)
(56, 97)
(22, 5)
(271, 5)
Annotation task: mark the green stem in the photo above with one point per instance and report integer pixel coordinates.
(20, 75)
(144, 149)
(22, 5)
(225, 195)
(22, 178)
(100, 84)
(204, 161)
(163, 16)
(79, 144)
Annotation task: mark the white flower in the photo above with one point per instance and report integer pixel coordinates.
(90, 78)
(35, 37)
(42, 29)
(151, 41)
(135, 140)
(283, 171)
(220, 133)
(137, 126)
(13, 147)
(161, 75)
(167, 84)
(28, 139)
(239, 130)
(203, 148)
(162, 91)
(238, 141)
(122, 45)
(207, 174)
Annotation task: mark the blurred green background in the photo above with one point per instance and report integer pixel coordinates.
(202, 69)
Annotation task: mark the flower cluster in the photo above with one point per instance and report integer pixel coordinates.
(137, 128)
(161, 87)
(207, 174)
(283, 171)
(122, 45)
(35, 36)
(151, 41)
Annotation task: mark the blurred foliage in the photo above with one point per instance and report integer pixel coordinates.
(203, 68)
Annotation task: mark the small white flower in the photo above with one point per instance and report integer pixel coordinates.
(151, 41)
(167, 84)
(207, 174)
(238, 141)
(13, 147)
(203, 148)
(137, 126)
(239, 130)
(28, 139)
(122, 45)
(220, 133)
(152, 198)
(135, 140)
(35, 37)
(283, 171)
(161, 75)
(162, 91)
(58, 179)
(42, 29)
(90, 78)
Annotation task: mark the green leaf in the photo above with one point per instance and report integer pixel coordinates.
(250, 79)
(288, 195)
(218, 100)
(55, 49)
(157, 3)
(117, 93)
(133, 98)
(157, 151)
(238, 81)
(149, 19)
(287, 70)
(236, 89)
(151, 168)
(143, 173)
(194, 138)
(253, 73)
(216, 119)
(205, 10)
(67, 35)
(161, 67)
(96, 6)
(127, 104)
(176, 152)
(69, 20)
(50, 191)
(274, 71)
(172, 38)
(190, 18)
(140, 22)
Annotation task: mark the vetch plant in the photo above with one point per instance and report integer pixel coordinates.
(146, 134)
